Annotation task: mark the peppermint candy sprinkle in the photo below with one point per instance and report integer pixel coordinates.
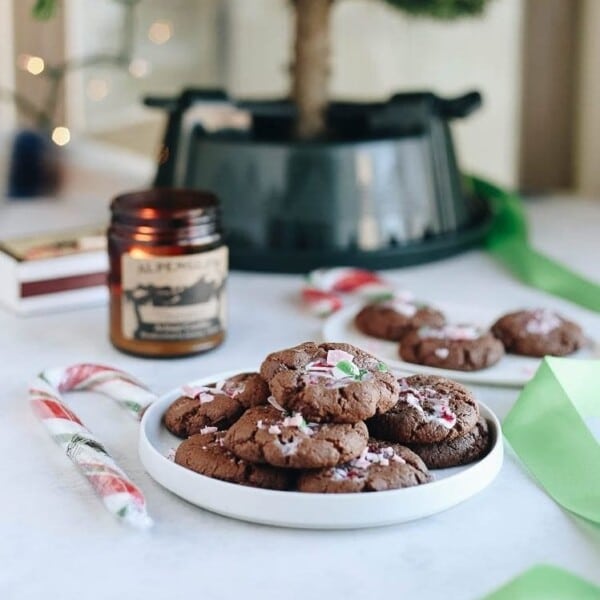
(403, 303)
(232, 388)
(370, 456)
(433, 405)
(200, 393)
(337, 369)
(542, 321)
(451, 332)
(295, 420)
(209, 430)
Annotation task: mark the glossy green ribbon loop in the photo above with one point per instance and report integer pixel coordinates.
(544, 582)
(508, 240)
(547, 430)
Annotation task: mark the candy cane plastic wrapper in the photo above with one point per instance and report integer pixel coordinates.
(120, 496)
(323, 296)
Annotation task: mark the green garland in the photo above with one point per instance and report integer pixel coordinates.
(44, 9)
(440, 9)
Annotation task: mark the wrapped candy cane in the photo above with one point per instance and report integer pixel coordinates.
(120, 496)
(323, 296)
(320, 303)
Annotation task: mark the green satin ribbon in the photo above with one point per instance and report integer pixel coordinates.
(544, 582)
(508, 240)
(546, 426)
(546, 429)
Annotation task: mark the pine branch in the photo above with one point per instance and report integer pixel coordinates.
(440, 9)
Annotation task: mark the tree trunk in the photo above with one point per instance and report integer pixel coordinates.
(310, 71)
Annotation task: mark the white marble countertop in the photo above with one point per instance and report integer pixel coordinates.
(57, 541)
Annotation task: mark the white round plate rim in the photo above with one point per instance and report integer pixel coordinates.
(339, 327)
(311, 511)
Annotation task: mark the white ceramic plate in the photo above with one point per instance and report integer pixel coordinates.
(510, 371)
(303, 510)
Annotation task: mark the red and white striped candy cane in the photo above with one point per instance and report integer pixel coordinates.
(118, 493)
(324, 295)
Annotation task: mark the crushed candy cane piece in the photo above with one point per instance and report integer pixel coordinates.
(451, 332)
(433, 405)
(274, 430)
(271, 400)
(403, 303)
(233, 388)
(542, 321)
(296, 420)
(337, 366)
(368, 457)
(209, 430)
(289, 447)
(336, 356)
(201, 393)
(345, 369)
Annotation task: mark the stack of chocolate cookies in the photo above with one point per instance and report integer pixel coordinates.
(299, 424)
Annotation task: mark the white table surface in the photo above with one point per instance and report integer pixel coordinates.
(57, 541)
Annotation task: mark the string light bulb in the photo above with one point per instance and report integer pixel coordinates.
(160, 32)
(34, 65)
(61, 136)
(97, 89)
(139, 67)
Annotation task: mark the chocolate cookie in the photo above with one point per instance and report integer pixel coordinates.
(460, 451)
(458, 347)
(429, 409)
(201, 408)
(381, 466)
(330, 382)
(264, 434)
(249, 389)
(391, 319)
(206, 454)
(538, 333)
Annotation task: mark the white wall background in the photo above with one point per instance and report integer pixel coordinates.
(587, 149)
(7, 80)
(245, 45)
(378, 51)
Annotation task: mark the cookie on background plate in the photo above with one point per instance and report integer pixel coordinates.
(201, 407)
(538, 333)
(330, 382)
(206, 454)
(265, 434)
(462, 450)
(390, 319)
(429, 409)
(456, 347)
(381, 466)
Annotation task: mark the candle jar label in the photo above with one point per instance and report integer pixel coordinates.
(174, 297)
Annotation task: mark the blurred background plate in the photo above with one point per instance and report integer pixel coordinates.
(510, 371)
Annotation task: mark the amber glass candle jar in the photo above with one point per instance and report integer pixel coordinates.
(168, 268)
